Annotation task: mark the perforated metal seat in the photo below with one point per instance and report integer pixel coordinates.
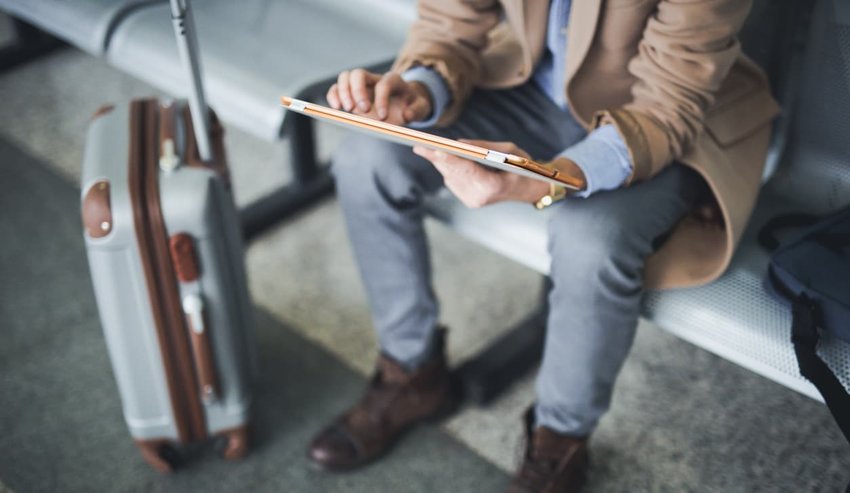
(734, 317)
(255, 51)
(85, 24)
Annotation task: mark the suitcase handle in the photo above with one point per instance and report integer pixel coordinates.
(187, 44)
(193, 307)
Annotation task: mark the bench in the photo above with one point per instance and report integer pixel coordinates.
(247, 70)
(86, 24)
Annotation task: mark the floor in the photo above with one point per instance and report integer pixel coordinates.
(682, 419)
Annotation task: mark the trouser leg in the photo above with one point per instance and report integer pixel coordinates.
(598, 247)
(381, 186)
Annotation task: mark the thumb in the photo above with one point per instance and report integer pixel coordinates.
(418, 109)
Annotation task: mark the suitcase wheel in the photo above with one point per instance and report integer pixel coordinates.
(160, 454)
(236, 443)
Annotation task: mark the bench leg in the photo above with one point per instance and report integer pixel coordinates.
(490, 372)
(311, 182)
(29, 43)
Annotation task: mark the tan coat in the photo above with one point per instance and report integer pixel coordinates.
(669, 74)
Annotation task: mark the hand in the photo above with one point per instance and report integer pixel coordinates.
(385, 97)
(476, 185)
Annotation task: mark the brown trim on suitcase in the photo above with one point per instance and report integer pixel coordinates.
(204, 361)
(152, 453)
(238, 442)
(153, 248)
(168, 290)
(183, 257)
(136, 158)
(103, 110)
(185, 263)
(97, 210)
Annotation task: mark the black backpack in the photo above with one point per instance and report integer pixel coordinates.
(811, 273)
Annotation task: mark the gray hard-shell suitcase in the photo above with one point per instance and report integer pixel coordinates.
(166, 258)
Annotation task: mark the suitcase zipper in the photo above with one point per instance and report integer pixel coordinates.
(159, 272)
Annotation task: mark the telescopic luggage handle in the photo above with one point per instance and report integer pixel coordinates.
(187, 44)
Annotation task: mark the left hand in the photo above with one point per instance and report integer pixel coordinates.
(477, 185)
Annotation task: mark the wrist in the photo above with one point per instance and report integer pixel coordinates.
(555, 193)
(568, 167)
(535, 191)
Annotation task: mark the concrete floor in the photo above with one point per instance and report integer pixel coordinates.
(682, 419)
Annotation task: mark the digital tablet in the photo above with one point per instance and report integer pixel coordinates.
(410, 137)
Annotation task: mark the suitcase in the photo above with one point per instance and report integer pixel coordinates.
(166, 257)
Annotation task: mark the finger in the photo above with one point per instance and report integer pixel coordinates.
(385, 88)
(343, 81)
(501, 146)
(442, 156)
(448, 164)
(418, 110)
(333, 97)
(361, 90)
(434, 156)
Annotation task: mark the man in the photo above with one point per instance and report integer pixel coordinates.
(650, 102)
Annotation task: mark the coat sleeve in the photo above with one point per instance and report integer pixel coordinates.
(449, 36)
(688, 48)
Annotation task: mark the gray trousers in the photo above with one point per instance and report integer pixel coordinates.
(598, 246)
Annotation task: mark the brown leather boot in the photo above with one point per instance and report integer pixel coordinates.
(394, 401)
(553, 463)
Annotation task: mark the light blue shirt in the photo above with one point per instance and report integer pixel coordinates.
(602, 155)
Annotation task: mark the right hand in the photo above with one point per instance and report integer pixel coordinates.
(385, 97)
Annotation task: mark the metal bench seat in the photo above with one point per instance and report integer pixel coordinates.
(733, 317)
(86, 24)
(255, 51)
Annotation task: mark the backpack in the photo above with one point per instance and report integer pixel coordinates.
(811, 273)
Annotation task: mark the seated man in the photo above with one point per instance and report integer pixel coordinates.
(650, 101)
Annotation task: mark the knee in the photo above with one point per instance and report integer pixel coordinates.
(589, 241)
(360, 158)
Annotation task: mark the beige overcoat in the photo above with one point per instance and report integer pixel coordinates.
(669, 74)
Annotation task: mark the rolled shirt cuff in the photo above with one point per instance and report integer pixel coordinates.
(603, 158)
(440, 95)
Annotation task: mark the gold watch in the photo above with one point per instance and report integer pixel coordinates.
(556, 193)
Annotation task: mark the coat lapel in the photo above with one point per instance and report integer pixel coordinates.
(584, 16)
(515, 15)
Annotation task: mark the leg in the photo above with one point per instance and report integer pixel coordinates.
(598, 247)
(381, 186)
